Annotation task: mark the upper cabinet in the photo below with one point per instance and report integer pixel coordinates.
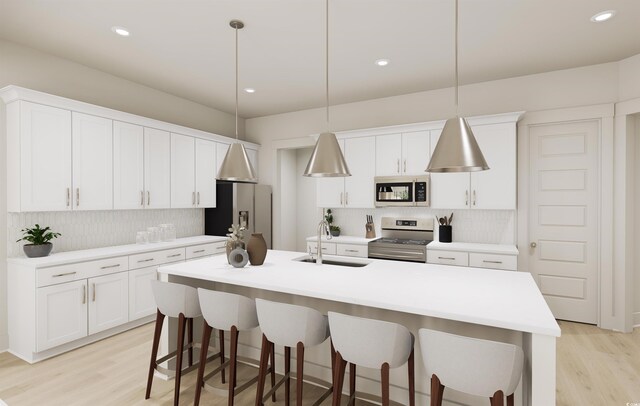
(205, 173)
(157, 168)
(183, 171)
(402, 154)
(128, 166)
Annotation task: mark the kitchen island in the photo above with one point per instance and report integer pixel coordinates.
(491, 304)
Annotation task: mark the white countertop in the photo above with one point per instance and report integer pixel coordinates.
(474, 247)
(503, 299)
(343, 239)
(69, 257)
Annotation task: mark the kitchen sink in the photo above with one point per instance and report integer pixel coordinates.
(326, 261)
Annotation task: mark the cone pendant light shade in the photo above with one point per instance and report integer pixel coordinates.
(236, 166)
(327, 159)
(457, 149)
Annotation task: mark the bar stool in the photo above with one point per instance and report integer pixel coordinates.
(478, 367)
(225, 312)
(372, 344)
(289, 326)
(173, 300)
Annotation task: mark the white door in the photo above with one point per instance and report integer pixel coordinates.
(495, 188)
(157, 168)
(92, 140)
(141, 302)
(416, 152)
(563, 217)
(448, 190)
(388, 155)
(359, 187)
(62, 314)
(183, 171)
(108, 301)
(45, 158)
(221, 152)
(205, 173)
(330, 191)
(128, 166)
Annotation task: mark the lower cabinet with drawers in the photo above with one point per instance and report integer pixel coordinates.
(55, 307)
(492, 256)
(344, 246)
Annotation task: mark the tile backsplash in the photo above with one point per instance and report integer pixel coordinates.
(479, 226)
(94, 229)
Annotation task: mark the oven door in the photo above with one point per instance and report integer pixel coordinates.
(398, 254)
(390, 192)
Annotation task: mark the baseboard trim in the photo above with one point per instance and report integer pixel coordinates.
(636, 319)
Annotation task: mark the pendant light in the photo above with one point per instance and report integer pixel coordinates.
(327, 159)
(236, 166)
(457, 149)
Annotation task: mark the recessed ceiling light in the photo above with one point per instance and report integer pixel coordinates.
(382, 62)
(249, 90)
(603, 16)
(120, 31)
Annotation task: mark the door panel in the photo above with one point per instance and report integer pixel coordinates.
(157, 168)
(205, 173)
(330, 191)
(62, 314)
(141, 301)
(108, 301)
(221, 152)
(183, 171)
(416, 152)
(359, 187)
(563, 217)
(128, 166)
(388, 155)
(448, 190)
(92, 140)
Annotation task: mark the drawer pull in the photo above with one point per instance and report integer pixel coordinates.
(199, 251)
(449, 258)
(492, 262)
(110, 266)
(145, 260)
(174, 255)
(64, 274)
(351, 251)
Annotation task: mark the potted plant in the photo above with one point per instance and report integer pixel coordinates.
(335, 230)
(39, 241)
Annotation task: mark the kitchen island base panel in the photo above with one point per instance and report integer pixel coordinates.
(317, 363)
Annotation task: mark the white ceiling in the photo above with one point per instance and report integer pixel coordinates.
(186, 48)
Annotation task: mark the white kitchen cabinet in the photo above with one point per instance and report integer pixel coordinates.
(402, 154)
(253, 158)
(355, 191)
(221, 152)
(492, 256)
(108, 302)
(141, 301)
(92, 146)
(157, 168)
(128, 166)
(61, 314)
(491, 189)
(183, 171)
(328, 248)
(38, 157)
(205, 173)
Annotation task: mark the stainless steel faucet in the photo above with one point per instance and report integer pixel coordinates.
(323, 225)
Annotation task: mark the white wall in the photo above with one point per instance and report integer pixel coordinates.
(307, 214)
(636, 320)
(287, 193)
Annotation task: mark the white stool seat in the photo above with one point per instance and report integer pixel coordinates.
(470, 365)
(287, 325)
(223, 310)
(172, 299)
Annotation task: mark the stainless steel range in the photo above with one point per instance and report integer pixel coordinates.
(403, 239)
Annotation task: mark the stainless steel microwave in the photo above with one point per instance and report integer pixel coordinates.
(409, 191)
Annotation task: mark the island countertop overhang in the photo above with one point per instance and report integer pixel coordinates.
(503, 299)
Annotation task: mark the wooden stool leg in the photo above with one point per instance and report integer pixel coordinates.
(412, 380)
(437, 390)
(352, 380)
(233, 357)
(497, 399)
(190, 340)
(262, 372)
(333, 358)
(338, 378)
(182, 325)
(287, 371)
(221, 338)
(154, 351)
(299, 372)
(510, 400)
(385, 384)
(273, 370)
(206, 336)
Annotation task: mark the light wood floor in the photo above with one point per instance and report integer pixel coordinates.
(595, 367)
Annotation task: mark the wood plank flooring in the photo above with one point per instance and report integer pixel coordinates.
(595, 367)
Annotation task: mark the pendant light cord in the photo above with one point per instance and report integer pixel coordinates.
(236, 28)
(456, 57)
(326, 67)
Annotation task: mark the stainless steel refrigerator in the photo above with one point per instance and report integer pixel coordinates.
(240, 203)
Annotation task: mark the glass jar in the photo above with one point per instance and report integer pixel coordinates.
(142, 237)
(154, 234)
(168, 232)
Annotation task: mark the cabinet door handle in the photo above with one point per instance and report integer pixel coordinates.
(109, 266)
(94, 292)
(492, 262)
(77, 197)
(68, 197)
(466, 197)
(346, 198)
(193, 198)
(448, 258)
(141, 198)
(405, 166)
(398, 165)
(198, 198)
(340, 198)
(474, 197)
(84, 294)
(198, 251)
(173, 256)
(148, 198)
(64, 274)
(145, 260)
